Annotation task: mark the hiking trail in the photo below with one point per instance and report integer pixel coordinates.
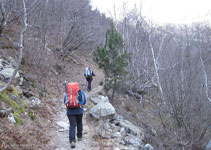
(59, 136)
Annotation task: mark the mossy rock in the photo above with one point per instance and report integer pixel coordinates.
(17, 109)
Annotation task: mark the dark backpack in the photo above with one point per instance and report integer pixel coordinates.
(81, 97)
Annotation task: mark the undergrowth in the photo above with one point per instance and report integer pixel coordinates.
(17, 109)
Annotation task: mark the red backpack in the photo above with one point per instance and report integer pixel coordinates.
(72, 91)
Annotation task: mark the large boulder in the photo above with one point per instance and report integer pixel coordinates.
(147, 147)
(131, 128)
(133, 140)
(208, 147)
(103, 110)
(7, 73)
(99, 98)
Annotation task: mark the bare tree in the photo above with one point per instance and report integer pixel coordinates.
(20, 49)
(175, 61)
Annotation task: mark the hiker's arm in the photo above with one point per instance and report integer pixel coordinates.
(93, 73)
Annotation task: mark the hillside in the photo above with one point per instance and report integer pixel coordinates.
(152, 91)
(46, 126)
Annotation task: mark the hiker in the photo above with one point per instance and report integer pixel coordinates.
(74, 100)
(89, 77)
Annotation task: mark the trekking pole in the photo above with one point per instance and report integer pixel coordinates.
(66, 87)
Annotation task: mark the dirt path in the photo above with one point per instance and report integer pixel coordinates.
(60, 136)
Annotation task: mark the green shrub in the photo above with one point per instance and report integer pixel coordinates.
(4, 96)
(8, 46)
(50, 46)
(14, 91)
(101, 83)
(17, 117)
(31, 115)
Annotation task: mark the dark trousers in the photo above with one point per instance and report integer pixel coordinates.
(89, 85)
(75, 120)
(89, 80)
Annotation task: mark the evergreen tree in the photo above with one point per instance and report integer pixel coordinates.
(113, 60)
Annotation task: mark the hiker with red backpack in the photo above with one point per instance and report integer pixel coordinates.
(74, 100)
(89, 77)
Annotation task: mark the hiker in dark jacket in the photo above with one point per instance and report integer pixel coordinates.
(75, 116)
(89, 78)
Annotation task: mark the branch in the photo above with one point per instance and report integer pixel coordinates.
(156, 66)
(3, 14)
(205, 79)
(18, 14)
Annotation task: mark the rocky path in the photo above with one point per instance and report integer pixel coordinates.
(59, 129)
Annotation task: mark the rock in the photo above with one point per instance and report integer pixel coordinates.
(11, 118)
(103, 109)
(132, 148)
(122, 131)
(105, 124)
(14, 98)
(34, 102)
(133, 140)
(6, 64)
(20, 91)
(12, 61)
(61, 130)
(132, 129)
(43, 94)
(3, 105)
(117, 135)
(147, 147)
(105, 134)
(208, 147)
(5, 112)
(1, 64)
(63, 125)
(27, 93)
(54, 71)
(21, 81)
(99, 98)
(116, 119)
(7, 73)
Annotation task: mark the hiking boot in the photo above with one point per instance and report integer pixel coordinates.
(80, 139)
(72, 144)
